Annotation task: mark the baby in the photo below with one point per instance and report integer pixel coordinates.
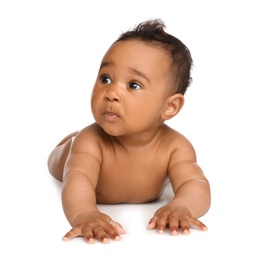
(129, 154)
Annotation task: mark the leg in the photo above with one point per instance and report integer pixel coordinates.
(58, 156)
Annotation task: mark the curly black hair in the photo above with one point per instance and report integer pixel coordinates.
(153, 31)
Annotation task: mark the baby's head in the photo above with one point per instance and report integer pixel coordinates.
(152, 32)
(141, 81)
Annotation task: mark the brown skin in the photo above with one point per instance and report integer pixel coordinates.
(129, 154)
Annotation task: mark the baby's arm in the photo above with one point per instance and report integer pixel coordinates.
(78, 195)
(192, 195)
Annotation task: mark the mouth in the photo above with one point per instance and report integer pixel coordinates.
(110, 116)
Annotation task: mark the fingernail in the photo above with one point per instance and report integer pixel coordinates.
(161, 230)
(174, 233)
(117, 238)
(105, 240)
(65, 239)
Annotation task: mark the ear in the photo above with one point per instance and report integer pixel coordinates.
(173, 105)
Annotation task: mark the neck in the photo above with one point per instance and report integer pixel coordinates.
(139, 140)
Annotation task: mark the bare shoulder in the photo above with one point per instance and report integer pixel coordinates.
(91, 131)
(183, 164)
(89, 139)
(179, 144)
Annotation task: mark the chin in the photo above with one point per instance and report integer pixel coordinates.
(111, 130)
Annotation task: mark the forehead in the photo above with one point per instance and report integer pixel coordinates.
(139, 55)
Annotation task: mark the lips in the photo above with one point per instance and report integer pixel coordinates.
(110, 116)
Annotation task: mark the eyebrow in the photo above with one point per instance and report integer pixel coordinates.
(106, 63)
(135, 71)
(139, 73)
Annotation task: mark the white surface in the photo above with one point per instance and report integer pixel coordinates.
(49, 57)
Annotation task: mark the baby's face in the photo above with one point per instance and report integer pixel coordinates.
(131, 88)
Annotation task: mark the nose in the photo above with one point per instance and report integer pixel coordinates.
(113, 94)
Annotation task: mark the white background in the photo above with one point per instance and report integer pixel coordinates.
(49, 56)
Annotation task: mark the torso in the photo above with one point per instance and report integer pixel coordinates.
(133, 176)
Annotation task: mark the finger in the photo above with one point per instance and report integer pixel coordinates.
(198, 224)
(100, 234)
(88, 234)
(74, 232)
(173, 224)
(111, 231)
(162, 223)
(152, 223)
(117, 227)
(185, 227)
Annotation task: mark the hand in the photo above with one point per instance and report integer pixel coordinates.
(95, 225)
(175, 217)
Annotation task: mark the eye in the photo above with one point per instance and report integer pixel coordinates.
(105, 79)
(134, 85)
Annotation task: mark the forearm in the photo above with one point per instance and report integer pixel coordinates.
(195, 196)
(78, 196)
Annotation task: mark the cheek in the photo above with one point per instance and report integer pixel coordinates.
(145, 113)
(94, 102)
(96, 95)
